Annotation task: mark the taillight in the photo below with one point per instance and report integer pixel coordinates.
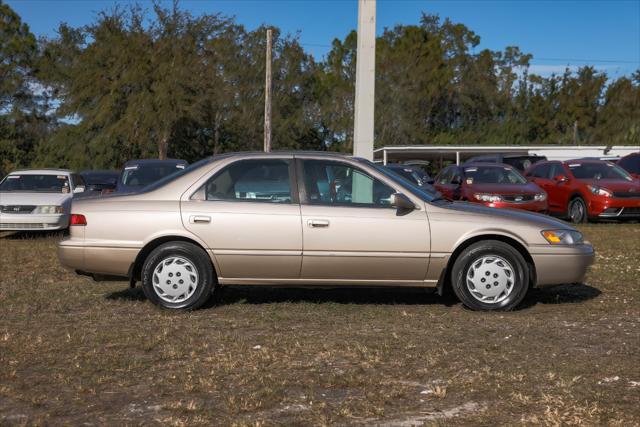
(77, 219)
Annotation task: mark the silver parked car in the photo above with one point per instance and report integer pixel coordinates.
(315, 219)
(38, 199)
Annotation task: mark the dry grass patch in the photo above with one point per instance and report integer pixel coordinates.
(73, 351)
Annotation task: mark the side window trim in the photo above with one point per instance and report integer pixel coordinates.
(200, 193)
(303, 187)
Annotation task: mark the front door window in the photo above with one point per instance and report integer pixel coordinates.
(332, 183)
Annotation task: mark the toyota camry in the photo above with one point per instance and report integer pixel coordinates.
(315, 219)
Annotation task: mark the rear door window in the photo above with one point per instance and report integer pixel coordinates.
(252, 180)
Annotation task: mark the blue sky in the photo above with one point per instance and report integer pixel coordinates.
(605, 34)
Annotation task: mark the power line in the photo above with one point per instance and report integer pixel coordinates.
(534, 58)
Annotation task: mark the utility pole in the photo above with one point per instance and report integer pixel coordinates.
(365, 80)
(267, 97)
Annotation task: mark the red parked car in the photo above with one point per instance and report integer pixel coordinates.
(631, 163)
(494, 185)
(583, 189)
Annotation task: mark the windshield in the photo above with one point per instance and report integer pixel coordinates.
(426, 192)
(493, 175)
(598, 171)
(143, 175)
(35, 183)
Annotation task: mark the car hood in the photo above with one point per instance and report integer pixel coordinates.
(495, 215)
(528, 188)
(614, 184)
(37, 199)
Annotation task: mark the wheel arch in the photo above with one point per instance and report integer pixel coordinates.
(444, 281)
(135, 270)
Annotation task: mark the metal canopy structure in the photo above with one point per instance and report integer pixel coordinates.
(439, 154)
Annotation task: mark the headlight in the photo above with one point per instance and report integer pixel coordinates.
(488, 197)
(540, 197)
(599, 191)
(48, 210)
(563, 237)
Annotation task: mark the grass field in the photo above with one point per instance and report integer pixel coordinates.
(74, 351)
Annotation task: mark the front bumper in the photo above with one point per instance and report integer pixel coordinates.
(614, 207)
(33, 222)
(557, 265)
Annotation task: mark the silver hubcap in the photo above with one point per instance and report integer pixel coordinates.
(490, 279)
(577, 210)
(175, 279)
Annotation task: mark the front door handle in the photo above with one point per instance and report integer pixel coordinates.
(318, 223)
(199, 219)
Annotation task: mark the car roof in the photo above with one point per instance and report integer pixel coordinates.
(154, 161)
(41, 172)
(586, 161)
(487, 165)
(99, 171)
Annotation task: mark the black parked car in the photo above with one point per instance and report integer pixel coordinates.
(137, 174)
(100, 181)
(413, 173)
(518, 161)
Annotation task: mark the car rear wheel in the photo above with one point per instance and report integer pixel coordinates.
(490, 275)
(577, 211)
(178, 275)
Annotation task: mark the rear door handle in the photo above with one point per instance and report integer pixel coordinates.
(318, 223)
(199, 219)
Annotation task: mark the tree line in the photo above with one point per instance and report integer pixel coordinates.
(139, 83)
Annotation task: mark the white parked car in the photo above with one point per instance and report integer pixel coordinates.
(38, 199)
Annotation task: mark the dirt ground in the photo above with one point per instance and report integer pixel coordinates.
(77, 352)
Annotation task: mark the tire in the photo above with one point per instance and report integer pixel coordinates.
(577, 211)
(490, 276)
(178, 276)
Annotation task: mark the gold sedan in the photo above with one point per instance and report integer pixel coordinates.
(315, 219)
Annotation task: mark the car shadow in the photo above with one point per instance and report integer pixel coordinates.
(31, 235)
(346, 295)
(560, 294)
(128, 294)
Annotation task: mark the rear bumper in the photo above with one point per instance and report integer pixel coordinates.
(33, 222)
(110, 261)
(557, 265)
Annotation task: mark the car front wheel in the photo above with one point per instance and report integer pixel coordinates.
(577, 211)
(178, 276)
(490, 275)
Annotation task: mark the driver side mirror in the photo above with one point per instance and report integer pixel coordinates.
(559, 179)
(78, 189)
(400, 201)
(456, 181)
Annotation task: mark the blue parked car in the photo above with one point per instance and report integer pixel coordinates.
(137, 174)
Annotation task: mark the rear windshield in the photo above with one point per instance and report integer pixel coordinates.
(631, 164)
(35, 183)
(100, 177)
(598, 171)
(521, 163)
(143, 175)
(493, 175)
(177, 174)
(409, 174)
